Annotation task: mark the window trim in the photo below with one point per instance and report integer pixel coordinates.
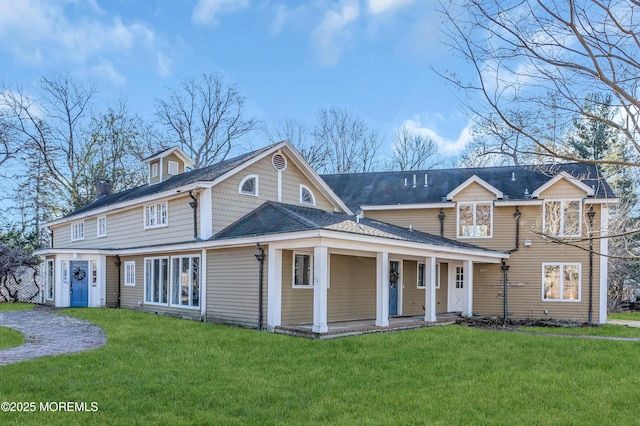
(154, 170)
(311, 194)
(175, 165)
(99, 228)
(50, 279)
(147, 223)
(562, 265)
(293, 269)
(129, 272)
(75, 231)
(418, 286)
(191, 257)
(144, 290)
(474, 204)
(255, 187)
(562, 201)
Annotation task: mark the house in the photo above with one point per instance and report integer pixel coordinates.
(262, 241)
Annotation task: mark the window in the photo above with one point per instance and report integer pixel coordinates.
(154, 170)
(185, 281)
(302, 270)
(155, 215)
(77, 231)
(130, 273)
(156, 280)
(173, 168)
(422, 278)
(562, 218)
(49, 280)
(306, 196)
(561, 282)
(102, 226)
(475, 220)
(249, 185)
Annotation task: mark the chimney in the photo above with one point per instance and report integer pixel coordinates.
(104, 187)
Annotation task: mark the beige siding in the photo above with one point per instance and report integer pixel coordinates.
(442, 292)
(132, 297)
(297, 303)
(155, 179)
(562, 189)
(232, 287)
(424, 220)
(126, 229)
(474, 192)
(229, 205)
(353, 288)
(412, 296)
(112, 274)
(165, 165)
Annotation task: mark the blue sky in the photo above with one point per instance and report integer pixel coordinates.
(288, 58)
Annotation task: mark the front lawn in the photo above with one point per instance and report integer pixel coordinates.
(15, 306)
(634, 316)
(10, 338)
(604, 330)
(159, 370)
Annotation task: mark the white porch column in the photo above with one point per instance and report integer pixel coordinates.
(467, 308)
(274, 287)
(320, 285)
(430, 289)
(604, 262)
(382, 289)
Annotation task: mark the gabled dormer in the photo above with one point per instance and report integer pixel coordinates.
(167, 163)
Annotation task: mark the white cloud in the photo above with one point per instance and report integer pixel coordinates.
(107, 71)
(447, 146)
(377, 7)
(164, 64)
(40, 31)
(207, 11)
(331, 34)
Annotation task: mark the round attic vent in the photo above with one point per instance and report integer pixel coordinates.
(279, 162)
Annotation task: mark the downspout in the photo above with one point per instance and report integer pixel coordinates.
(505, 267)
(260, 258)
(118, 265)
(590, 214)
(194, 206)
(441, 217)
(51, 245)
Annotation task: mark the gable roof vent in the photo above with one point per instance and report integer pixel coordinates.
(279, 162)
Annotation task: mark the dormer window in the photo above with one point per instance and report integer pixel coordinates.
(154, 170)
(249, 185)
(173, 168)
(306, 196)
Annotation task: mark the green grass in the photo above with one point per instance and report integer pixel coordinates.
(634, 316)
(605, 330)
(15, 306)
(159, 370)
(10, 338)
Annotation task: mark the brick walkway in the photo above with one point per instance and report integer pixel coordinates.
(48, 333)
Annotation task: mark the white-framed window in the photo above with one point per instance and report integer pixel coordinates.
(422, 279)
(561, 218)
(561, 282)
(102, 226)
(77, 231)
(49, 279)
(249, 185)
(156, 280)
(302, 270)
(306, 196)
(185, 281)
(475, 219)
(156, 215)
(130, 273)
(172, 168)
(154, 170)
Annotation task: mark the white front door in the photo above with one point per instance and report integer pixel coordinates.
(456, 287)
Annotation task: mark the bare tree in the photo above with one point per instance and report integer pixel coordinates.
(204, 117)
(411, 150)
(299, 135)
(349, 144)
(522, 50)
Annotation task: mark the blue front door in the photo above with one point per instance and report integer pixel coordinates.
(79, 283)
(394, 279)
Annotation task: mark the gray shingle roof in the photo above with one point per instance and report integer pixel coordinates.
(387, 188)
(277, 218)
(205, 174)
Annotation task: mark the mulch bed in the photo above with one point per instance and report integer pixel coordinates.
(495, 323)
